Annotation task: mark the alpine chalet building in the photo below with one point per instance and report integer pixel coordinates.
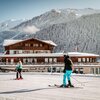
(37, 56)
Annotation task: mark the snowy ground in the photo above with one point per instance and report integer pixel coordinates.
(34, 86)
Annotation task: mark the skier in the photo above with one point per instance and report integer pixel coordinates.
(19, 70)
(67, 71)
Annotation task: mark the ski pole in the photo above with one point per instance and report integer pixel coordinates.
(78, 81)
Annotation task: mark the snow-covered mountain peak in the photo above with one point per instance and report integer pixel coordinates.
(6, 25)
(54, 16)
(56, 11)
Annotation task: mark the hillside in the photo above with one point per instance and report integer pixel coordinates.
(82, 33)
(70, 29)
(55, 16)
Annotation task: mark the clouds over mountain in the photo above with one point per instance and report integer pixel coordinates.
(30, 29)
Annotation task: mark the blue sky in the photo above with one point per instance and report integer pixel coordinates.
(19, 9)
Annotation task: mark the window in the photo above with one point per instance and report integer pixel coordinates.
(46, 60)
(81, 70)
(50, 60)
(55, 60)
(29, 60)
(79, 59)
(96, 70)
(83, 59)
(11, 52)
(24, 60)
(35, 45)
(35, 60)
(6, 61)
(31, 45)
(92, 70)
(90, 59)
(40, 45)
(26, 44)
(12, 60)
(93, 60)
(87, 59)
(15, 52)
(27, 51)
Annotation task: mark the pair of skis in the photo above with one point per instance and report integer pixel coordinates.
(59, 86)
(18, 79)
(54, 85)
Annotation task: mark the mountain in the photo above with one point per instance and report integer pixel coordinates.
(70, 29)
(11, 35)
(8, 24)
(55, 16)
(6, 32)
(44, 21)
(82, 34)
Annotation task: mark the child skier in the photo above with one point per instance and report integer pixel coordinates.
(19, 70)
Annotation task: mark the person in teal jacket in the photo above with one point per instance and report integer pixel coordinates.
(19, 70)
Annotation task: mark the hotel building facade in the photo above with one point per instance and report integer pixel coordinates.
(38, 56)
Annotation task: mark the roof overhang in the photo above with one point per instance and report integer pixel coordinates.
(71, 54)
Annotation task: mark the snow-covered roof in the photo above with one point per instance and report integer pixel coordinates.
(81, 54)
(71, 54)
(8, 42)
(49, 42)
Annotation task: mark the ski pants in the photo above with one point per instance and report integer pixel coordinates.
(19, 74)
(68, 75)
